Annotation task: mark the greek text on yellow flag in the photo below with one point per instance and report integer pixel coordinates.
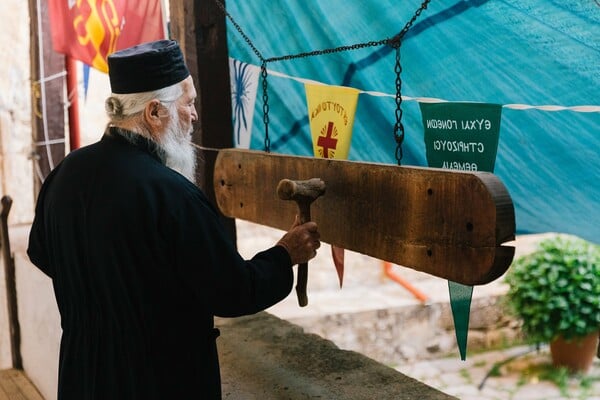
(331, 112)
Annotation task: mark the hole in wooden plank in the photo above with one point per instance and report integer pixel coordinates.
(222, 182)
(469, 227)
(429, 252)
(241, 205)
(430, 191)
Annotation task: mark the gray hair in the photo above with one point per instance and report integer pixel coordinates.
(122, 106)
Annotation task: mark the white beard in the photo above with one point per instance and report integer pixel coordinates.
(179, 150)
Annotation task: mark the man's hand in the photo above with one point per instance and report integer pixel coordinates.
(301, 241)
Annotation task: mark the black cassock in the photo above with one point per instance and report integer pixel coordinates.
(140, 265)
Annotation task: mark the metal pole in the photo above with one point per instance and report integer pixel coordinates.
(73, 103)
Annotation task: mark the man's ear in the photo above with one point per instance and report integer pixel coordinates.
(153, 116)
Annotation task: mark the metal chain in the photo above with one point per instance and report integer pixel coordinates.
(263, 73)
(239, 29)
(398, 126)
(394, 42)
(330, 51)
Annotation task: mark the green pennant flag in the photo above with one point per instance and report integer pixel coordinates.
(461, 136)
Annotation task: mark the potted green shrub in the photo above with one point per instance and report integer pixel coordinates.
(555, 292)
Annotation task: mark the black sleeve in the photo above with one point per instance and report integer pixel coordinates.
(36, 248)
(208, 260)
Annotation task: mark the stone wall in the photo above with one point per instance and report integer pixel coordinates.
(16, 179)
(38, 315)
(415, 332)
(15, 134)
(16, 166)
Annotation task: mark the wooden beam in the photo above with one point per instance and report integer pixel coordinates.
(446, 223)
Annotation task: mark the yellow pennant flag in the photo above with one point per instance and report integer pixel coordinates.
(331, 112)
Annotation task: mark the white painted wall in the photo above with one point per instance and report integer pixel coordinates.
(38, 317)
(15, 132)
(38, 314)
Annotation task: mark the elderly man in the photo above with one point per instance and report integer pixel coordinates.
(139, 261)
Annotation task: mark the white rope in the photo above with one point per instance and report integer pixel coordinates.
(580, 108)
(204, 148)
(584, 109)
(51, 77)
(49, 142)
(38, 171)
(70, 96)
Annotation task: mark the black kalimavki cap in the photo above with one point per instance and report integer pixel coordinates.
(146, 67)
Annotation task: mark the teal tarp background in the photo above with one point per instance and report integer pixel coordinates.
(535, 52)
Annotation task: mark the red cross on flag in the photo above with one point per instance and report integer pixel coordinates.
(331, 112)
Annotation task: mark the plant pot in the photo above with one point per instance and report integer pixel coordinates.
(577, 354)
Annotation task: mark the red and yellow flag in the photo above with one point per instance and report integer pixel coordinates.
(90, 30)
(331, 112)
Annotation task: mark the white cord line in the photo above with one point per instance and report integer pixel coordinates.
(581, 108)
(49, 142)
(51, 77)
(38, 170)
(553, 108)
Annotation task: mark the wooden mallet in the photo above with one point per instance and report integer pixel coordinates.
(303, 193)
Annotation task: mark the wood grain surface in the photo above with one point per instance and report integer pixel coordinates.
(449, 224)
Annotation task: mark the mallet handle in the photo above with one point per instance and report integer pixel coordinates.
(302, 282)
(303, 193)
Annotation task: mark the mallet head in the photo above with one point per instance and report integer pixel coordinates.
(308, 190)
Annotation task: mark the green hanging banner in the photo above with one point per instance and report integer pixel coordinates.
(460, 302)
(461, 136)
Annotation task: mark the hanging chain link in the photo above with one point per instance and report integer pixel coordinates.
(398, 126)
(394, 42)
(263, 73)
(330, 51)
(239, 29)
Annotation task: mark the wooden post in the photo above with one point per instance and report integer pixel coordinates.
(11, 287)
(199, 27)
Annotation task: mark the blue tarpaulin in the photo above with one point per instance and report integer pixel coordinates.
(539, 59)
